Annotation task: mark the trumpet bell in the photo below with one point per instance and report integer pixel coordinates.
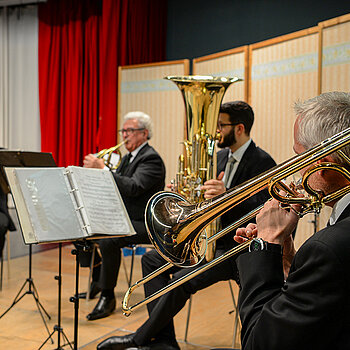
(166, 213)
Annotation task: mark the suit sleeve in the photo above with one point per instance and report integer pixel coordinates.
(296, 314)
(149, 171)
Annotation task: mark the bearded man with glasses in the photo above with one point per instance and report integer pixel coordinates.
(239, 160)
(140, 174)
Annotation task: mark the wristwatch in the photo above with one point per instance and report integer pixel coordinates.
(258, 244)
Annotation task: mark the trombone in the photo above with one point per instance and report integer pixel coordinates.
(175, 226)
(108, 152)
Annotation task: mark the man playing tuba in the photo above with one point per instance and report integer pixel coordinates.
(234, 123)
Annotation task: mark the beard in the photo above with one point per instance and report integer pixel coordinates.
(227, 141)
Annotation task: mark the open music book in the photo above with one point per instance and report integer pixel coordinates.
(65, 204)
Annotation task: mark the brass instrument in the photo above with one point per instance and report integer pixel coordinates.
(108, 152)
(202, 96)
(173, 224)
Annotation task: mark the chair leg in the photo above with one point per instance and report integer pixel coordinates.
(8, 252)
(188, 318)
(90, 272)
(235, 327)
(1, 271)
(134, 247)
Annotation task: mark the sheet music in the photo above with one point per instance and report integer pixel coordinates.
(49, 204)
(102, 202)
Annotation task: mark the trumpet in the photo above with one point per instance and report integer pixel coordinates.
(108, 152)
(174, 225)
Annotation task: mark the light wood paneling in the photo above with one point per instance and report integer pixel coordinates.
(336, 54)
(283, 70)
(231, 63)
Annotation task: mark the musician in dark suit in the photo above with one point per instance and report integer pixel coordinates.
(311, 308)
(6, 223)
(140, 175)
(234, 123)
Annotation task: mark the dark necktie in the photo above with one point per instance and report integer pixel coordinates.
(125, 164)
(228, 171)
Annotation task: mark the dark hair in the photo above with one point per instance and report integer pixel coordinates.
(239, 112)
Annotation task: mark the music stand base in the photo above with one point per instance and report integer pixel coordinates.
(58, 329)
(31, 290)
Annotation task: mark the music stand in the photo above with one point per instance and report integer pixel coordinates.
(25, 159)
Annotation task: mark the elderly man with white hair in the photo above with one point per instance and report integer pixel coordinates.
(140, 174)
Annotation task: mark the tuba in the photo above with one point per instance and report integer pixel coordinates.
(107, 153)
(202, 96)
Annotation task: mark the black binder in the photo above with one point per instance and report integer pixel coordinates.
(22, 159)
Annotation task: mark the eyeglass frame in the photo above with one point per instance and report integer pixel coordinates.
(221, 125)
(129, 131)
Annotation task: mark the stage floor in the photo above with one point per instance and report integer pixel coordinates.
(22, 327)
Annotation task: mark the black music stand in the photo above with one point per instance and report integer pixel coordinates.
(25, 159)
(57, 328)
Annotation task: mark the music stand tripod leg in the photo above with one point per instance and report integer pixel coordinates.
(31, 290)
(57, 328)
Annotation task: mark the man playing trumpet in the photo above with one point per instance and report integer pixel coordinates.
(140, 174)
(311, 309)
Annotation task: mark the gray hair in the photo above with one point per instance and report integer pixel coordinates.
(322, 117)
(143, 119)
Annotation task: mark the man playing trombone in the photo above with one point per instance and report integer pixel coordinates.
(311, 308)
(157, 332)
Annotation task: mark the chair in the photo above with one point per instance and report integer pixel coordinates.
(135, 249)
(2, 260)
(236, 319)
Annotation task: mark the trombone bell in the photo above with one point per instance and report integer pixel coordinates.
(165, 214)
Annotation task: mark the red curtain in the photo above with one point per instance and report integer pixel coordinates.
(81, 45)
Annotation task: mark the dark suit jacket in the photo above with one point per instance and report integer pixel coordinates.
(144, 176)
(4, 209)
(254, 162)
(311, 310)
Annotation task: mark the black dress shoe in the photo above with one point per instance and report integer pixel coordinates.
(117, 343)
(94, 290)
(104, 307)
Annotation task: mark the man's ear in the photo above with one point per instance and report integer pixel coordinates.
(327, 159)
(240, 129)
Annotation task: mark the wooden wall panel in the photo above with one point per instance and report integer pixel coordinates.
(231, 63)
(336, 54)
(142, 88)
(283, 70)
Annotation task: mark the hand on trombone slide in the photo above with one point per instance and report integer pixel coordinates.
(274, 224)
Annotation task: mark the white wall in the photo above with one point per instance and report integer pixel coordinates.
(19, 98)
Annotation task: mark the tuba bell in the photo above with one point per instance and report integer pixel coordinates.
(202, 96)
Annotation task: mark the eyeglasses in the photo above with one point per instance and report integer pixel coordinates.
(221, 125)
(129, 131)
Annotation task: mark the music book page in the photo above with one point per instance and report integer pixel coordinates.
(64, 204)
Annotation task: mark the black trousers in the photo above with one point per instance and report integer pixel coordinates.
(160, 326)
(110, 249)
(4, 225)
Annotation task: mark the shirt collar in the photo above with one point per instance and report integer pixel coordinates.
(338, 208)
(136, 151)
(238, 154)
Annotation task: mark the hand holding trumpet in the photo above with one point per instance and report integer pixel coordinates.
(90, 161)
